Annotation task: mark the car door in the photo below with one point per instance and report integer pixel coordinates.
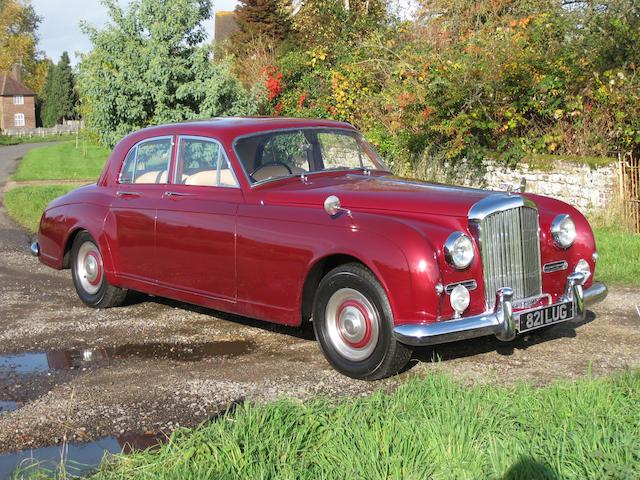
(196, 222)
(140, 187)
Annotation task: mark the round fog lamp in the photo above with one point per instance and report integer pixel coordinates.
(583, 267)
(459, 299)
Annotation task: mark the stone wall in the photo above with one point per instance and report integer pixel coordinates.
(586, 188)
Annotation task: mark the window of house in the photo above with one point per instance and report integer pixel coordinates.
(18, 120)
(18, 100)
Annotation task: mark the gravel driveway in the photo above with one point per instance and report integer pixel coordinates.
(156, 364)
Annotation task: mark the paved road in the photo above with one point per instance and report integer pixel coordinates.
(155, 364)
(11, 235)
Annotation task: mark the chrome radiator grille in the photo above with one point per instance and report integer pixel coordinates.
(510, 246)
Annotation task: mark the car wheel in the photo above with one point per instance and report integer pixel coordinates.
(88, 275)
(353, 323)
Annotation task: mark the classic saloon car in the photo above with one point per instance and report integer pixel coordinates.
(290, 220)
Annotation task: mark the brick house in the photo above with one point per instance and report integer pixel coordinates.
(17, 102)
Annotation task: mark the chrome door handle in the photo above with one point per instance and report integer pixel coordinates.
(122, 193)
(178, 194)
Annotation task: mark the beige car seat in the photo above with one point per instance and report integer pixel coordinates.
(210, 177)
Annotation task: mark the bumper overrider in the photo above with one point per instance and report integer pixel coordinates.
(502, 322)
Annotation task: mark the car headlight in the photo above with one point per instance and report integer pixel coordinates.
(458, 250)
(563, 230)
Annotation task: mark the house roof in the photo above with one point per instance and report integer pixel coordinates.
(9, 87)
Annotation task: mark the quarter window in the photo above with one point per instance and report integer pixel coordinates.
(18, 100)
(203, 162)
(18, 120)
(147, 162)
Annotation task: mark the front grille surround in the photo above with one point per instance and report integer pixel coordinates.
(507, 230)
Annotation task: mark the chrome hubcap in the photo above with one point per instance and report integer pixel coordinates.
(352, 324)
(89, 268)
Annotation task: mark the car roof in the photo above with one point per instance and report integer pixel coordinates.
(237, 126)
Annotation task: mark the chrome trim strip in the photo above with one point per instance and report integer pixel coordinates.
(501, 322)
(555, 266)
(468, 284)
(495, 203)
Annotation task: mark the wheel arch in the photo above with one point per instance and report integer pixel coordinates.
(316, 273)
(103, 245)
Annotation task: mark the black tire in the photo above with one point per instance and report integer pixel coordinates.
(382, 356)
(100, 294)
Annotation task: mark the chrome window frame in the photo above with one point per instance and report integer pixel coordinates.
(135, 160)
(293, 175)
(221, 149)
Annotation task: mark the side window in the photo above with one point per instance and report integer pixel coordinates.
(203, 162)
(147, 162)
(342, 151)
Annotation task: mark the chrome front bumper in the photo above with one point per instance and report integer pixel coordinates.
(502, 322)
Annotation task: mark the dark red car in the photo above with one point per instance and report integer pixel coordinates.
(290, 220)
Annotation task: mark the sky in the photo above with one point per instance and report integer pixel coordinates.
(60, 26)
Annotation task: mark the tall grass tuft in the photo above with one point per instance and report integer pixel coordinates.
(432, 427)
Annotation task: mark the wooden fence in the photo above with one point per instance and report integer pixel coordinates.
(68, 127)
(630, 188)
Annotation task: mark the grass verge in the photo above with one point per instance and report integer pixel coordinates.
(16, 140)
(619, 261)
(432, 427)
(26, 204)
(63, 162)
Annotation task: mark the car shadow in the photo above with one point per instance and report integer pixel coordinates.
(430, 354)
(304, 332)
(477, 346)
(527, 468)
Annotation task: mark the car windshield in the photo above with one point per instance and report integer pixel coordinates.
(272, 155)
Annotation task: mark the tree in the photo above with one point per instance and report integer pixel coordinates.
(58, 95)
(148, 66)
(260, 20)
(326, 22)
(18, 42)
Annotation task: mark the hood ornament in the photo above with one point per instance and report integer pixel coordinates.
(332, 206)
(519, 189)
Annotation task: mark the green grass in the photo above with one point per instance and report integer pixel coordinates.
(62, 162)
(26, 204)
(619, 262)
(15, 140)
(432, 427)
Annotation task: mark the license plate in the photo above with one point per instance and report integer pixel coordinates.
(544, 316)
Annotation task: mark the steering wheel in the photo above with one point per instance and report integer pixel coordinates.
(272, 163)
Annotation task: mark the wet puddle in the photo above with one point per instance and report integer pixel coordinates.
(38, 362)
(79, 459)
(7, 406)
